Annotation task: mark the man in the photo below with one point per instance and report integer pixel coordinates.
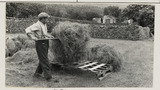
(39, 31)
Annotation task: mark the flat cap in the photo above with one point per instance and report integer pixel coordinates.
(43, 14)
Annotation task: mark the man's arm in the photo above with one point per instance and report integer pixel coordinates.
(30, 33)
(32, 36)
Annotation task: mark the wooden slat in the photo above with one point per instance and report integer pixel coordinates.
(84, 63)
(100, 78)
(88, 65)
(96, 67)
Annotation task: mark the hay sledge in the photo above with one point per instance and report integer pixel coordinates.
(71, 49)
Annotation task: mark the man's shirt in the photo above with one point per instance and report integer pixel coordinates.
(37, 30)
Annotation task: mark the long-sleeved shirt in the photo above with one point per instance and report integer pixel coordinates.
(37, 30)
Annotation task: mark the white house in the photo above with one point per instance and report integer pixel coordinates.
(130, 21)
(97, 20)
(109, 19)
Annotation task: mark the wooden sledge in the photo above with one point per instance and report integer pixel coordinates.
(101, 70)
(48, 39)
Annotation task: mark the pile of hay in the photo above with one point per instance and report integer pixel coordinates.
(71, 46)
(106, 54)
(17, 43)
(71, 43)
(23, 57)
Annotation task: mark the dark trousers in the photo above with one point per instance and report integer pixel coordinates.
(42, 52)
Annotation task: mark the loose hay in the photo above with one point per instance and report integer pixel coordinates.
(106, 54)
(73, 38)
(17, 43)
(22, 38)
(72, 46)
(29, 44)
(23, 57)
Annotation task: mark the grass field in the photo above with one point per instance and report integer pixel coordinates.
(137, 68)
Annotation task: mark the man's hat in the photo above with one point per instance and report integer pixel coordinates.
(43, 14)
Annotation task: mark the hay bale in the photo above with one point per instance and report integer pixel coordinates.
(106, 54)
(11, 47)
(17, 43)
(22, 38)
(73, 38)
(24, 41)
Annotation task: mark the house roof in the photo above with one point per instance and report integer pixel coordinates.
(112, 17)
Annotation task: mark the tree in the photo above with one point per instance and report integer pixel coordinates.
(113, 11)
(91, 15)
(142, 14)
(134, 11)
(23, 10)
(11, 9)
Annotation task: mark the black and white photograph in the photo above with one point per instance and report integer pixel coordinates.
(79, 45)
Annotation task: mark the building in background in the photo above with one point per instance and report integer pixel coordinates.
(106, 19)
(109, 19)
(97, 20)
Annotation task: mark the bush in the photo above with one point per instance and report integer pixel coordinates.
(18, 25)
(129, 32)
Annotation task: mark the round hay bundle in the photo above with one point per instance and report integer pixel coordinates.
(17, 43)
(106, 54)
(73, 38)
(11, 47)
(22, 38)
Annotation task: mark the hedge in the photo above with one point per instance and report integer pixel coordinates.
(105, 31)
(129, 32)
(18, 25)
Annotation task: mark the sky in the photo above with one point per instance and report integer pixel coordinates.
(102, 5)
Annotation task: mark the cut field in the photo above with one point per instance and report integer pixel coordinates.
(137, 68)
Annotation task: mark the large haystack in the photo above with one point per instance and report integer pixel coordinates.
(71, 43)
(71, 47)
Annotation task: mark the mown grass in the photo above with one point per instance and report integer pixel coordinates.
(137, 68)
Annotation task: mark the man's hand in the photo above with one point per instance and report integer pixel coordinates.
(49, 36)
(34, 38)
(31, 36)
